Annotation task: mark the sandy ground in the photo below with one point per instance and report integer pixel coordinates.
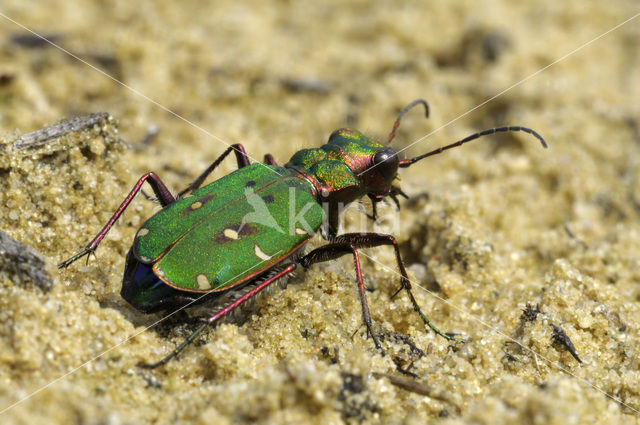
(521, 251)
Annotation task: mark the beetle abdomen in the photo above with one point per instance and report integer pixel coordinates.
(146, 292)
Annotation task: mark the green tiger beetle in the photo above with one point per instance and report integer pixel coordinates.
(249, 228)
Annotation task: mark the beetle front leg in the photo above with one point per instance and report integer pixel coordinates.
(371, 240)
(241, 157)
(164, 196)
(336, 250)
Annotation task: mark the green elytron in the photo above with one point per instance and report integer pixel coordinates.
(249, 228)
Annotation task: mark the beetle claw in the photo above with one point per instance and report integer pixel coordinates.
(90, 252)
(87, 251)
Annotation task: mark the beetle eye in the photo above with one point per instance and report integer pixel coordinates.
(386, 162)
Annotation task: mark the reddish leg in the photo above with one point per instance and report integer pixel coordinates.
(241, 157)
(162, 193)
(221, 313)
(268, 159)
(333, 251)
(164, 197)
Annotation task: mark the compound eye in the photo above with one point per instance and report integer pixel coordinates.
(386, 163)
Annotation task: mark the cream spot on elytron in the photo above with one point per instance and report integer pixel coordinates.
(260, 254)
(142, 232)
(203, 282)
(196, 205)
(299, 231)
(231, 234)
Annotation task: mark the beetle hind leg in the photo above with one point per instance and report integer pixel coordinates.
(228, 309)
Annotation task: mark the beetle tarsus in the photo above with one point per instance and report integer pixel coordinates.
(87, 251)
(159, 188)
(176, 351)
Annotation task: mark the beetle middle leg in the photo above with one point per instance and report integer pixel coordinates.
(162, 193)
(228, 309)
(241, 157)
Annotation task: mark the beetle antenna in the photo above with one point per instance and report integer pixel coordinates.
(407, 162)
(404, 111)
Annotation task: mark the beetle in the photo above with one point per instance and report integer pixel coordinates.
(249, 228)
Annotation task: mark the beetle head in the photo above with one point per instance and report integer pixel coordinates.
(374, 165)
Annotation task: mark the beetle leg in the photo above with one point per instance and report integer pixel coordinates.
(221, 313)
(336, 250)
(371, 240)
(269, 160)
(164, 196)
(241, 157)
